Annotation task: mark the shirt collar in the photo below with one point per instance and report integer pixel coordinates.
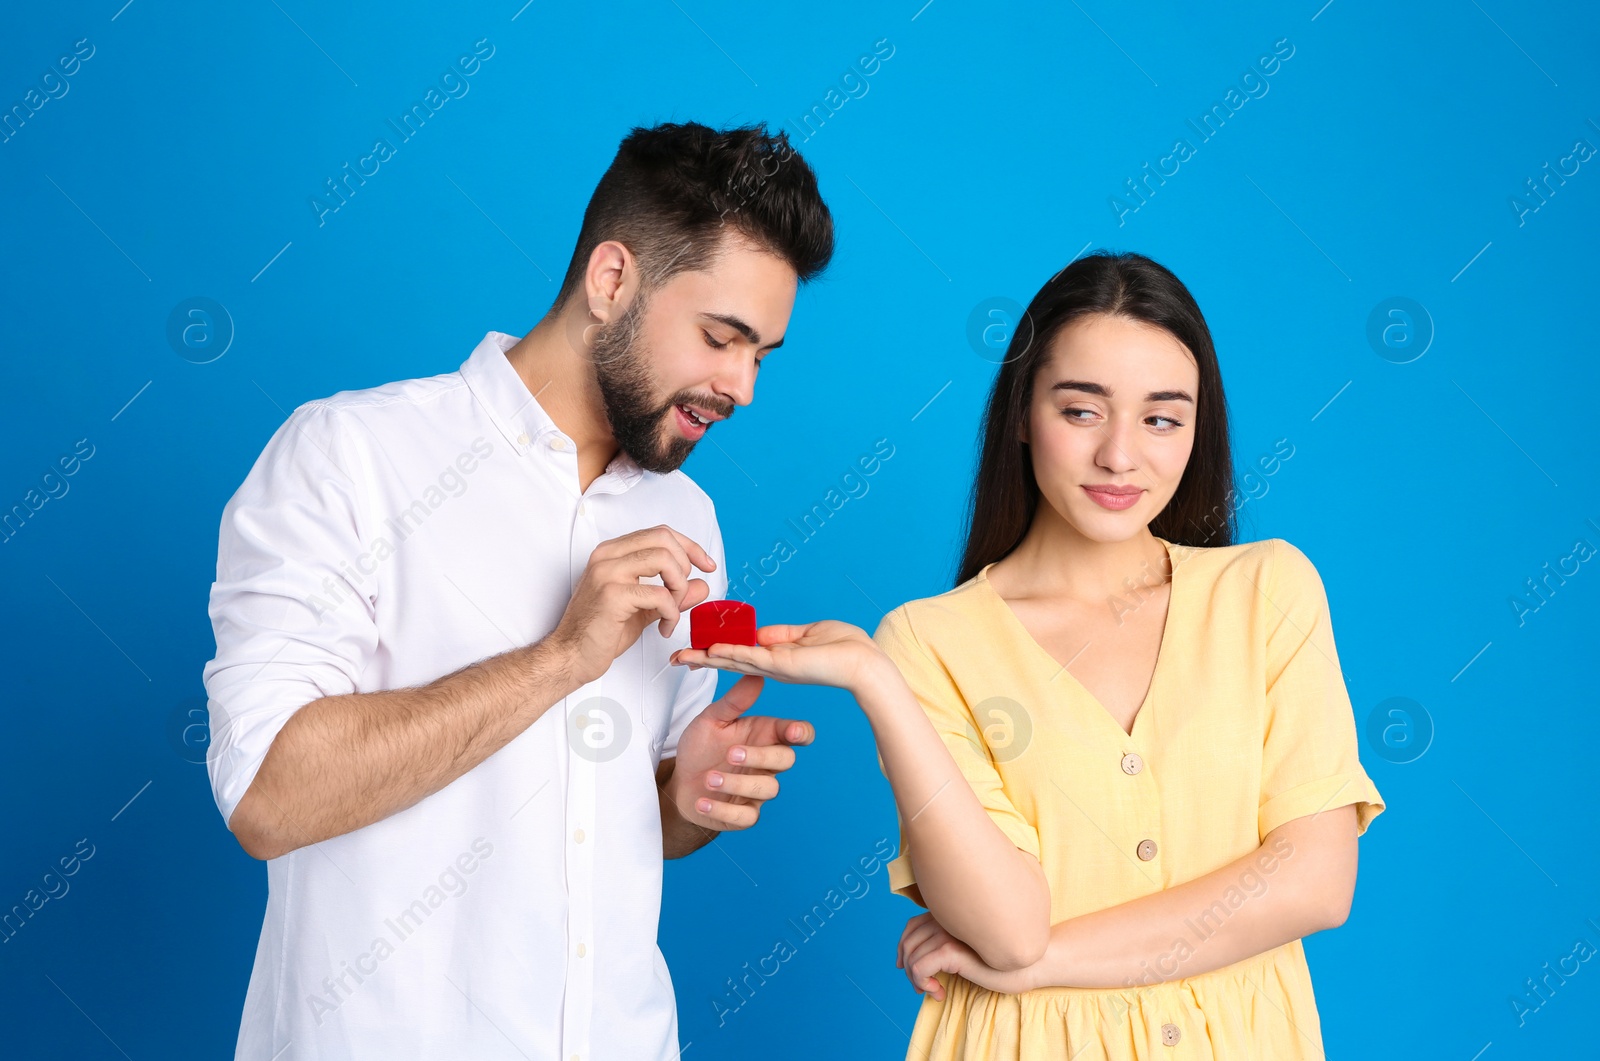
(518, 414)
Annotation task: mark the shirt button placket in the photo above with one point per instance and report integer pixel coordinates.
(580, 841)
(581, 832)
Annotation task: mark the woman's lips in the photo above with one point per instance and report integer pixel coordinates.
(1116, 502)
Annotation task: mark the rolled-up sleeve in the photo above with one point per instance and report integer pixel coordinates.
(1310, 757)
(290, 625)
(698, 687)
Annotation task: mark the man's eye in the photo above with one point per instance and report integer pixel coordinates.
(710, 341)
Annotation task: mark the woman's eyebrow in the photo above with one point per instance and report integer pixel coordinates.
(1105, 392)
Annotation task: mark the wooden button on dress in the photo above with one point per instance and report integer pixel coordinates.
(1147, 849)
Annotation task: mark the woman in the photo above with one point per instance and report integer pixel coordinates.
(1160, 791)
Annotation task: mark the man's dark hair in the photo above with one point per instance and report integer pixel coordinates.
(675, 190)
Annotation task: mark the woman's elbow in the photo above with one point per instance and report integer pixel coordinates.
(1018, 949)
(1336, 909)
(1328, 905)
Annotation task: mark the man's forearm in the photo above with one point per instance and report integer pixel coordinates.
(344, 762)
(678, 836)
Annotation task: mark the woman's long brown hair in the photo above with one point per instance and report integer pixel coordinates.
(1005, 494)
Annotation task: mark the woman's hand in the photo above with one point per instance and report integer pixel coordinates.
(926, 948)
(821, 653)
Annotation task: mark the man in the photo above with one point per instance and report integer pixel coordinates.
(442, 708)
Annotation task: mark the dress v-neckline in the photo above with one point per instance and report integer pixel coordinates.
(1059, 668)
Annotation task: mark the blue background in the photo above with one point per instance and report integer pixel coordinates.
(984, 156)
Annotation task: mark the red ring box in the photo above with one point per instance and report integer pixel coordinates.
(721, 622)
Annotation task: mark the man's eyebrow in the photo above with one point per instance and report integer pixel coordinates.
(738, 325)
(1105, 392)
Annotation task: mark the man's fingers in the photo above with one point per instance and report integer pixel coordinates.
(666, 536)
(773, 757)
(644, 561)
(749, 786)
(781, 731)
(697, 592)
(669, 563)
(659, 552)
(650, 603)
(661, 535)
(701, 558)
(740, 695)
(793, 731)
(730, 815)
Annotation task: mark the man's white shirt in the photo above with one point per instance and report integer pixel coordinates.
(387, 537)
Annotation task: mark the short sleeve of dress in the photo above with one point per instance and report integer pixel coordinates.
(1310, 759)
(951, 716)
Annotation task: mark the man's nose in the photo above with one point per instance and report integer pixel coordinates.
(738, 383)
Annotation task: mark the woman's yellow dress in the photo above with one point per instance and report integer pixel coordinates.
(1247, 725)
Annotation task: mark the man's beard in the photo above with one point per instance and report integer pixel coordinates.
(622, 370)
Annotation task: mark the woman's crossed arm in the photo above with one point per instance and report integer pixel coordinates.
(1299, 881)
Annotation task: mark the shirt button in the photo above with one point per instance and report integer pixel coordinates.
(581, 508)
(582, 950)
(1131, 763)
(558, 443)
(1170, 1034)
(578, 836)
(1147, 849)
(522, 439)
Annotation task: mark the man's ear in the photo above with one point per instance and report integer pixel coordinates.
(611, 281)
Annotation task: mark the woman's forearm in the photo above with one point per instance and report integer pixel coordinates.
(1299, 881)
(973, 878)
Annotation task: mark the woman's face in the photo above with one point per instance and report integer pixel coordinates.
(1111, 424)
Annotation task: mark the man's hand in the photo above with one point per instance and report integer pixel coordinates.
(728, 762)
(610, 607)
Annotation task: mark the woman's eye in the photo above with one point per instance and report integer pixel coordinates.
(1175, 424)
(710, 341)
(1068, 413)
